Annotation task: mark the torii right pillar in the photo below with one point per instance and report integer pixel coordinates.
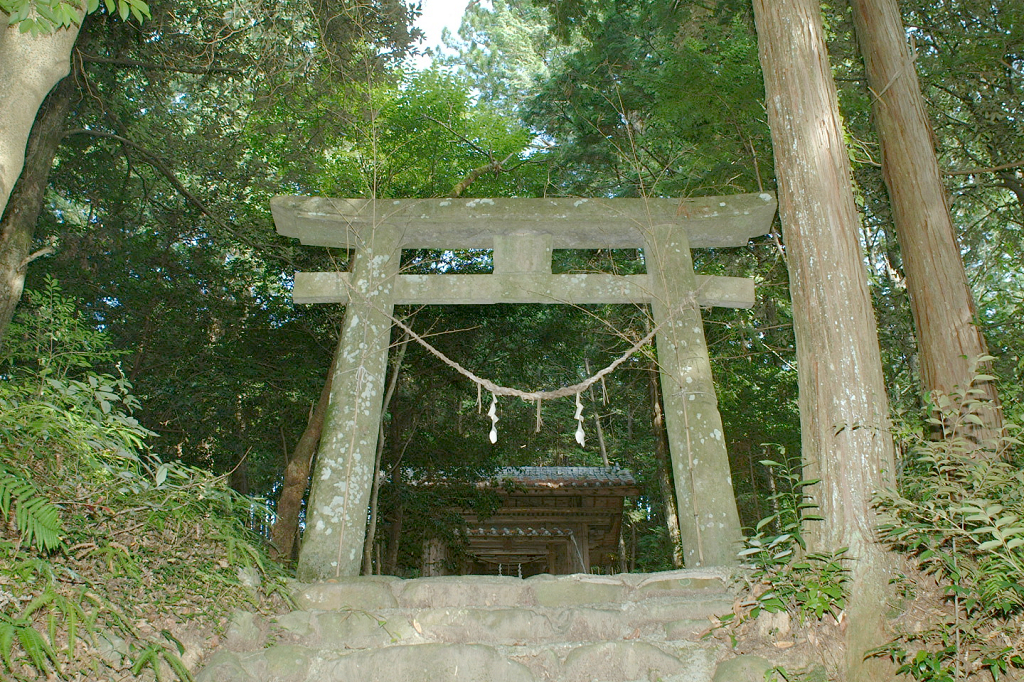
(709, 524)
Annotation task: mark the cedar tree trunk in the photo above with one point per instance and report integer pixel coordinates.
(940, 297)
(843, 409)
(26, 201)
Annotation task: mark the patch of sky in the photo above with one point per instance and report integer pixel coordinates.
(436, 17)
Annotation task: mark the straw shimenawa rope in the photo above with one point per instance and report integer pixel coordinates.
(529, 396)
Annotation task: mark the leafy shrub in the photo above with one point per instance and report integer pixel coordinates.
(958, 514)
(48, 339)
(103, 540)
(785, 576)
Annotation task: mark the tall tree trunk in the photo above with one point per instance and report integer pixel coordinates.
(845, 431)
(26, 201)
(664, 460)
(940, 297)
(285, 532)
(29, 68)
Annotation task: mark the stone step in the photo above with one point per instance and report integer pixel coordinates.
(654, 619)
(375, 593)
(579, 628)
(619, 661)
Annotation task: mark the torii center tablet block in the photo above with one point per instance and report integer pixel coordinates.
(522, 233)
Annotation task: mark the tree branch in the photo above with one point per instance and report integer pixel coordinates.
(152, 66)
(459, 135)
(495, 166)
(992, 169)
(158, 163)
(45, 251)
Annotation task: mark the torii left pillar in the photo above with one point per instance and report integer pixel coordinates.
(336, 524)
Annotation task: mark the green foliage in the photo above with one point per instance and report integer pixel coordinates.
(656, 98)
(785, 576)
(49, 338)
(504, 51)
(957, 516)
(44, 405)
(32, 642)
(133, 537)
(38, 17)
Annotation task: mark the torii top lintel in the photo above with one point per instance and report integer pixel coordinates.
(571, 223)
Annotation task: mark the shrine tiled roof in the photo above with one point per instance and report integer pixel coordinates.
(517, 531)
(570, 477)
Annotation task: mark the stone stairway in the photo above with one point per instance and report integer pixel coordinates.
(574, 628)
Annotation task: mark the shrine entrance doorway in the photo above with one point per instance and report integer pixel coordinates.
(522, 234)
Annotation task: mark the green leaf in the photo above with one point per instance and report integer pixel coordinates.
(141, 7)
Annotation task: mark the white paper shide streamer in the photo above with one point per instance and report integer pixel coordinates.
(492, 412)
(580, 435)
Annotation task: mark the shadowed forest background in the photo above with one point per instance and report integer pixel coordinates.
(160, 288)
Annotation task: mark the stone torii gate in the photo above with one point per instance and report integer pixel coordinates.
(522, 233)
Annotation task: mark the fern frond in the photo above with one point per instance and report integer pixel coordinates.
(6, 642)
(35, 516)
(37, 648)
(37, 603)
(71, 623)
(148, 657)
(178, 667)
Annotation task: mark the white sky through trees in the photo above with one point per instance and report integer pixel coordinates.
(438, 15)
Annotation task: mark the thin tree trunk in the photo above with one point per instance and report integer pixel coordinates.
(632, 548)
(238, 479)
(940, 297)
(285, 532)
(395, 528)
(846, 437)
(755, 492)
(623, 559)
(29, 68)
(664, 460)
(26, 201)
(371, 531)
(597, 421)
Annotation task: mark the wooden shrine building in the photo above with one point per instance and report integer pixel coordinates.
(552, 520)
